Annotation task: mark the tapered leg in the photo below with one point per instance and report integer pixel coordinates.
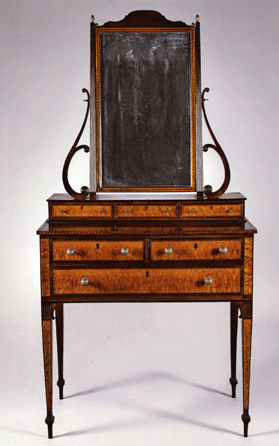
(60, 346)
(47, 350)
(234, 323)
(246, 339)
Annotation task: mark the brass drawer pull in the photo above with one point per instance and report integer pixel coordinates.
(168, 250)
(84, 281)
(223, 250)
(70, 251)
(208, 281)
(124, 251)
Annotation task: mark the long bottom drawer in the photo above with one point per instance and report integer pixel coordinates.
(147, 281)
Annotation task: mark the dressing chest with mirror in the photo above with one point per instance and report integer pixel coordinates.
(146, 230)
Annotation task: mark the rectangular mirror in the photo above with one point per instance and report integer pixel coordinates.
(144, 82)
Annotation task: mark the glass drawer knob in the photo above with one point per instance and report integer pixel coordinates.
(84, 281)
(101, 211)
(208, 281)
(70, 251)
(230, 210)
(168, 250)
(124, 251)
(166, 211)
(62, 211)
(223, 250)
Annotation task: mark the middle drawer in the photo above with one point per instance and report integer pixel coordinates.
(149, 211)
(227, 249)
(86, 250)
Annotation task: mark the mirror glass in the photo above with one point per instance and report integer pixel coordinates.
(144, 104)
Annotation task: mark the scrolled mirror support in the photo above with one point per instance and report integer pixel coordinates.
(75, 148)
(216, 146)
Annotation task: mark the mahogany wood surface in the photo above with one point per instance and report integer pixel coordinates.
(75, 148)
(211, 228)
(59, 313)
(216, 146)
(234, 326)
(158, 197)
(144, 19)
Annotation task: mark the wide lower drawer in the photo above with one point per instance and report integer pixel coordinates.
(73, 250)
(150, 281)
(195, 250)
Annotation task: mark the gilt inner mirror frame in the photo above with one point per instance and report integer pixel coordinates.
(145, 105)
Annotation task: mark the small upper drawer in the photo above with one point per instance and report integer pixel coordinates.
(80, 211)
(143, 211)
(196, 250)
(74, 250)
(211, 210)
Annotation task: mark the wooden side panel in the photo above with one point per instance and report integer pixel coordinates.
(82, 211)
(144, 211)
(139, 281)
(195, 250)
(98, 250)
(45, 268)
(248, 266)
(211, 210)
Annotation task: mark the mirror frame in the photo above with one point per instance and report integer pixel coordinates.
(145, 21)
